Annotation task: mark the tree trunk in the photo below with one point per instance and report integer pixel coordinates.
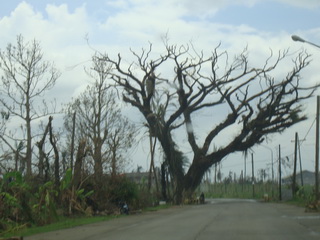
(78, 164)
(56, 154)
(72, 140)
(113, 163)
(98, 171)
(174, 163)
(42, 154)
(16, 158)
(29, 136)
(163, 182)
(152, 149)
(29, 149)
(184, 185)
(192, 179)
(42, 157)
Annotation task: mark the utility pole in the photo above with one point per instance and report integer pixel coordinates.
(245, 166)
(242, 180)
(253, 193)
(295, 165)
(280, 193)
(301, 175)
(215, 173)
(317, 151)
(272, 172)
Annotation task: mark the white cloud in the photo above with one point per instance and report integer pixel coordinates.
(19, 20)
(62, 37)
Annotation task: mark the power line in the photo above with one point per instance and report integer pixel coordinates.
(307, 132)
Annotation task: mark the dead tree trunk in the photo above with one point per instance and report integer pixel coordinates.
(53, 142)
(152, 150)
(42, 154)
(72, 140)
(78, 163)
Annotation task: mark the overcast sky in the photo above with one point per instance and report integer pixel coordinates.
(113, 26)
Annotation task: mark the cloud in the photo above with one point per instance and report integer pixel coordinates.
(135, 23)
(21, 18)
(61, 34)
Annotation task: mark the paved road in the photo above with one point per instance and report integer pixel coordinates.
(218, 219)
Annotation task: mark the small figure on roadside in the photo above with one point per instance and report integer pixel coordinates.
(124, 208)
(202, 198)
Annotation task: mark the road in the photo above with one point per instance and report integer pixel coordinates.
(217, 219)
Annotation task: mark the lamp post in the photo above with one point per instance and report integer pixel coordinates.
(271, 167)
(299, 39)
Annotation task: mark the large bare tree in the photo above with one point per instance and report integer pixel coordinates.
(25, 78)
(237, 95)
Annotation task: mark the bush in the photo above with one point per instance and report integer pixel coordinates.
(119, 188)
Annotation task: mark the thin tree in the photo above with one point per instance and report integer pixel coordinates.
(121, 138)
(246, 98)
(99, 121)
(25, 78)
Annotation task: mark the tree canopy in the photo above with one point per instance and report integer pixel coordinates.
(174, 89)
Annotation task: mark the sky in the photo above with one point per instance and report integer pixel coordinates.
(71, 31)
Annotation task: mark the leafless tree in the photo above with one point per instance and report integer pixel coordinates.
(237, 96)
(25, 78)
(100, 122)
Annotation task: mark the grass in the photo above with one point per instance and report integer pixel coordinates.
(65, 223)
(244, 191)
(304, 196)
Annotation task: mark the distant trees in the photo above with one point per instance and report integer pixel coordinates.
(25, 78)
(238, 96)
(93, 120)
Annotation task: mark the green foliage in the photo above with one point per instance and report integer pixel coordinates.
(45, 207)
(67, 180)
(14, 179)
(14, 198)
(304, 196)
(120, 188)
(72, 199)
(8, 200)
(145, 199)
(24, 204)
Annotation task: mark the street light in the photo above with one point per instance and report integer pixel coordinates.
(299, 39)
(317, 195)
(271, 167)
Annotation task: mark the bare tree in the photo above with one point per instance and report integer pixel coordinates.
(121, 138)
(99, 120)
(243, 98)
(26, 77)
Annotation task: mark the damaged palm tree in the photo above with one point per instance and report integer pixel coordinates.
(247, 100)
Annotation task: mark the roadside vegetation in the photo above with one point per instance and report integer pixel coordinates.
(243, 190)
(27, 208)
(263, 191)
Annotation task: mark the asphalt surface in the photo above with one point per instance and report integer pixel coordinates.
(217, 219)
